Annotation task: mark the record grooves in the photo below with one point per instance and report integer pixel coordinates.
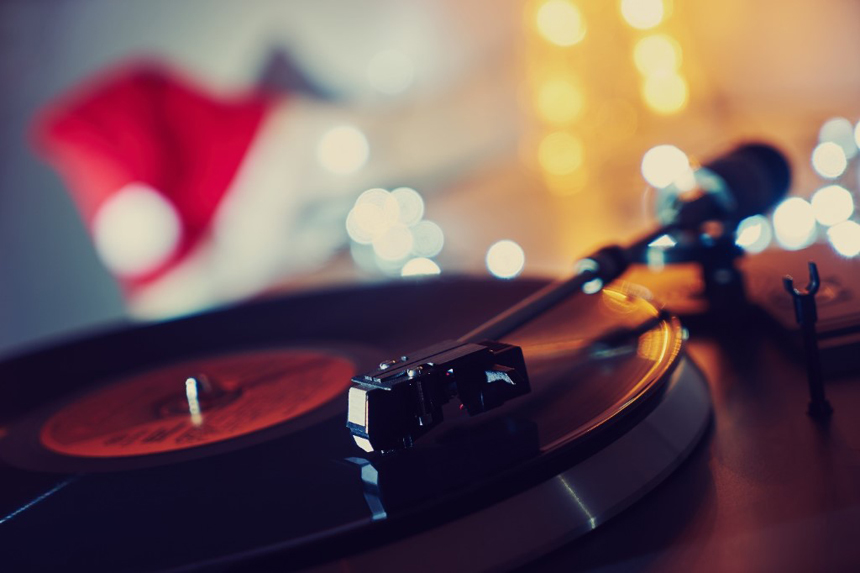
(288, 488)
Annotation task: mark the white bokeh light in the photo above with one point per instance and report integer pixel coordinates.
(394, 244)
(390, 72)
(560, 22)
(657, 53)
(794, 224)
(828, 160)
(390, 223)
(505, 259)
(642, 14)
(136, 230)
(662, 164)
(832, 205)
(420, 266)
(839, 130)
(754, 234)
(363, 223)
(410, 205)
(845, 238)
(375, 211)
(666, 92)
(343, 150)
(428, 239)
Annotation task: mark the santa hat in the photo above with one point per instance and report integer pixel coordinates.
(148, 157)
(194, 198)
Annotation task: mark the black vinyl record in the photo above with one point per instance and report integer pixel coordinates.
(105, 468)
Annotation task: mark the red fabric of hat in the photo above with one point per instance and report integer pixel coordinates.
(144, 124)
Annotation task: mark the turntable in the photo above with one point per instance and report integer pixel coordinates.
(218, 441)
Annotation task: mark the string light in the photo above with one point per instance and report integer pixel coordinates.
(754, 234)
(794, 223)
(559, 100)
(394, 244)
(428, 239)
(419, 267)
(828, 160)
(845, 238)
(560, 22)
(832, 205)
(374, 212)
(561, 97)
(657, 53)
(642, 14)
(505, 259)
(343, 150)
(839, 130)
(560, 153)
(663, 164)
(665, 92)
(410, 205)
(390, 223)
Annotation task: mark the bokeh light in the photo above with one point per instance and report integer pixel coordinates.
(560, 153)
(559, 100)
(754, 234)
(386, 228)
(505, 259)
(420, 266)
(839, 130)
(410, 205)
(382, 199)
(845, 238)
(394, 244)
(663, 164)
(136, 230)
(428, 239)
(665, 92)
(832, 205)
(390, 72)
(794, 223)
(360, 225)
(560, 22)
(657, 53)
(343, 150)
(642, 14)
(374, 212)
(828, 160)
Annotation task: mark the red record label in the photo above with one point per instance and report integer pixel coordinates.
(196, 403)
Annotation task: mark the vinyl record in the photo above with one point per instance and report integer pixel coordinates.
(219, 440)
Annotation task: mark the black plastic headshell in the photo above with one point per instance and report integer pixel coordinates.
(396, 404)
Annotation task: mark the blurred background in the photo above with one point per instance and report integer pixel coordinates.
(297, 145)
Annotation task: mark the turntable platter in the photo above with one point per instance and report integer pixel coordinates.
(286, 486)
